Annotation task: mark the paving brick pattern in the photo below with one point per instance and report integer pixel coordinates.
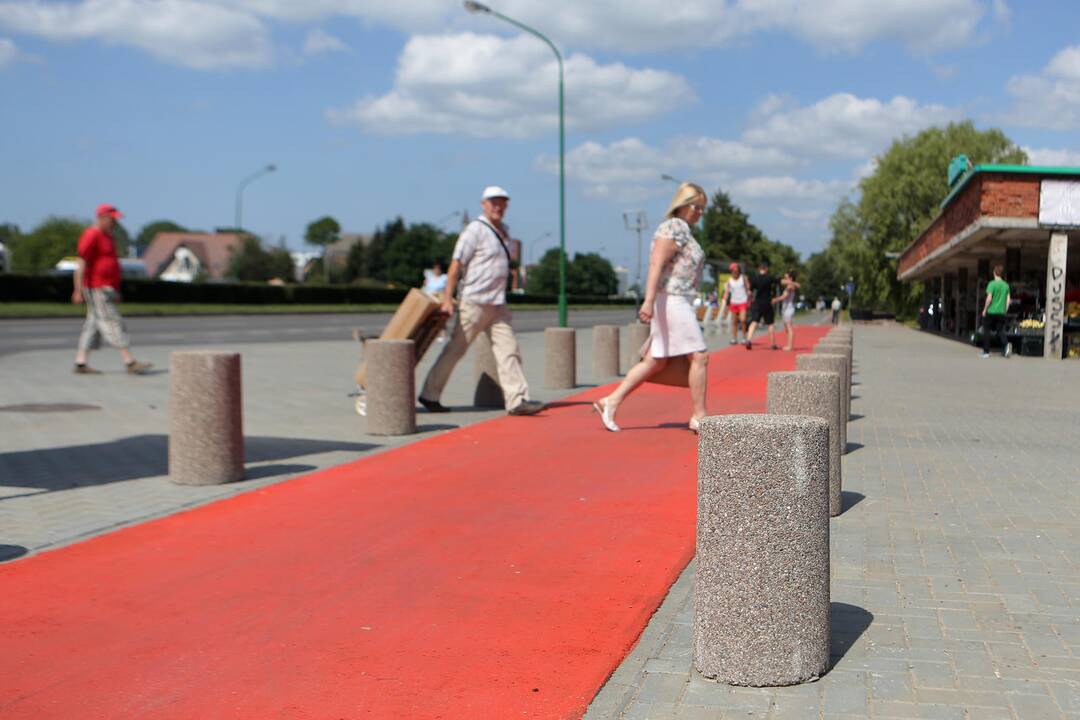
(955, 566)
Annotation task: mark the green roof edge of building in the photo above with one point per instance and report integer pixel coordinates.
(1022, 169)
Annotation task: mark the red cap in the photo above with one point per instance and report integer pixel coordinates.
(107, 209)
(733, 266)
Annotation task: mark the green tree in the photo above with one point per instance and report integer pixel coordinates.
(821, 278)
(591, 274)
(586, 274)
(728, 235)
(897, 201)
(322, 232)
(47, 244)
(150, 230)
(252, 262)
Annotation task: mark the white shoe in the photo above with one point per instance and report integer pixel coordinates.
(605, 416)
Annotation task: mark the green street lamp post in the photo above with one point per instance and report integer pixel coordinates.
(475, 7)
(240, 192)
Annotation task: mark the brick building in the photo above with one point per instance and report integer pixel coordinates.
(1023, 218)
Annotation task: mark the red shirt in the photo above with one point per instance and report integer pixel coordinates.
(98, 252)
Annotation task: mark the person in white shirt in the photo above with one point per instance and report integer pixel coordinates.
(736, 299)
(435, 281)
(479, 273)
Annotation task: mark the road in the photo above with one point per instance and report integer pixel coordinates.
(54, 333)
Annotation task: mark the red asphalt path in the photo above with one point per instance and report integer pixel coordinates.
(501, 570)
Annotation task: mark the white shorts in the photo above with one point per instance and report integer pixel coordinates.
(674, 328)
(789, 315)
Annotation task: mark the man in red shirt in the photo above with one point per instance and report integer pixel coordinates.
(97, 283)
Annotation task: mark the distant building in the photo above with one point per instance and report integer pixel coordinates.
(212, 252)
(337, 254)
(623, 274)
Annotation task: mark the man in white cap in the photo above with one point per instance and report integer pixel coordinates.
(479, 272)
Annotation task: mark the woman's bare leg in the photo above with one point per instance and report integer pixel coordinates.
(636, 375)
(790, 327)
(699, 376)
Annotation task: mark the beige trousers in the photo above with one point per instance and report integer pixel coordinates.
(473, 319)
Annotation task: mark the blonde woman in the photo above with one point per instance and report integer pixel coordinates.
(676, 262)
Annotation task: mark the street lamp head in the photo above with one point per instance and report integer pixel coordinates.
(475, 7)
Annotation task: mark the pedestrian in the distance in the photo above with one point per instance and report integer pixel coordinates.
(736, 299)
(435, 281)
(479, 272)
(676, 264)
(836, 306)
(761, 305)
(786, 301)
(97, 283)
(998, 297)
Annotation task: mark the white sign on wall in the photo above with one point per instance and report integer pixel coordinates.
(1059, 202)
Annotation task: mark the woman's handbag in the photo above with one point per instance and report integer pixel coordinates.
(676, 372)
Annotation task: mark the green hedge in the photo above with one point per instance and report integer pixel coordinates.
(57, 288)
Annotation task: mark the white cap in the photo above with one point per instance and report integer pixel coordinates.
(494, 191)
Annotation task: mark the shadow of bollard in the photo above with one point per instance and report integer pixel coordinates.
(848, 623)
(11, 552)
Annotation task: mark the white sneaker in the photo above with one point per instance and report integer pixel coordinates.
(984, 355)
(1008, 349)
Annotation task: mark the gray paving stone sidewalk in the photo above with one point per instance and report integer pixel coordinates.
(955, 566)
(71, 474)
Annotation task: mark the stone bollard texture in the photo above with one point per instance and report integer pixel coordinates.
(836, 348)
(636, 335)
(816, 394)
(605, 355)
(488, 393)
(822, 362)
(560, 357)
(206, 422)
(391, 387)
(761, 598)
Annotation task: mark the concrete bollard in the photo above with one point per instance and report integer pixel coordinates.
(488, 392)
(761, 599)
(391, 387)
(605, 354)
(560, 357)
(816, 394)
(822, 362)
(833, 348)
(206, 418)
(636, 335)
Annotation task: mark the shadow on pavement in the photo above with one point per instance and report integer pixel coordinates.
(852, 447)
(566, 403)
(847, 623)
(849, 500)
(139, 456)
(10, 552)
(855, 416)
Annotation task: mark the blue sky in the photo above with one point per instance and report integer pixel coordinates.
(373, 109)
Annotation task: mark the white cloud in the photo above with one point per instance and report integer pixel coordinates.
(9, 53)
(319, 42)
(922, 25)
(1050, 99)
(191, 33)
(1053, 157)
(841, 125)
(208, 34)
(785, 187)
(488, 86)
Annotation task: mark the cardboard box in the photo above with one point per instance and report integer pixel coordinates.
(419, 319)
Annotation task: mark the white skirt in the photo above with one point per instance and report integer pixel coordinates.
(674, 328)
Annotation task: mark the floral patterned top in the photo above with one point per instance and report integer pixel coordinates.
(683, 272)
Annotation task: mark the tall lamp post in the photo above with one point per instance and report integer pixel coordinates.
(240, 192)
(475, 7)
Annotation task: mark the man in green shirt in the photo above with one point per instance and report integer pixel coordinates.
(997, 302)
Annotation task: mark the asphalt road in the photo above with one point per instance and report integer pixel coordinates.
(55, 333)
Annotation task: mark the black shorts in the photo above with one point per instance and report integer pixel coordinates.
(762, 314)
